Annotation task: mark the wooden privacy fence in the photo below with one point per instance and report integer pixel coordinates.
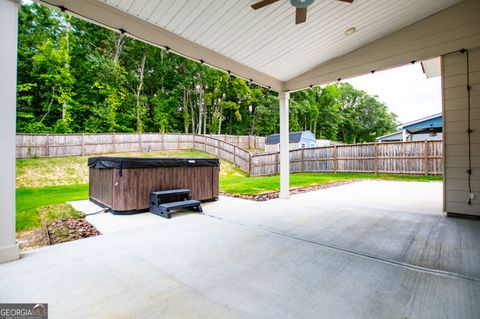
(53, 145)
(418, 157)
(228, 151)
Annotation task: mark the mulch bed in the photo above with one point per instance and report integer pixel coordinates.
(272, 195)
(63, 230)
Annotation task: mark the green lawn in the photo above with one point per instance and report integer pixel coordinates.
(257, 185)
(53, 181)
(29, 199)
(55, 171)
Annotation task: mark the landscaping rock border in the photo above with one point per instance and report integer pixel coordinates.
(272, 195)
(63, 230)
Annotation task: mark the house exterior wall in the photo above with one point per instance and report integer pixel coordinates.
(454, 91)
(425, 137)
(391, 138)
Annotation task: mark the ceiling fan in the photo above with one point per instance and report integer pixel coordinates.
(301, 5)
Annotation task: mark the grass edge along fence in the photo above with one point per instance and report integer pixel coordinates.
(415, 157)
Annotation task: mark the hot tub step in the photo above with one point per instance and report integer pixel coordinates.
(171, 195)
(164, 209)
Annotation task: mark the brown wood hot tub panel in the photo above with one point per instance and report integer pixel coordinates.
(130, 190)
(101, 185)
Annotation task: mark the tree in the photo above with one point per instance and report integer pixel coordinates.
(52, 69)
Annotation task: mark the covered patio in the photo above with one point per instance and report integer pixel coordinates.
(340, 39)
(322, 254)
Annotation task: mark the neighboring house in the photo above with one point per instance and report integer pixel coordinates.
(425, 129)
(304, 139)
(393, 137)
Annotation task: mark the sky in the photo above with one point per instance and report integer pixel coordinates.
(405, 90)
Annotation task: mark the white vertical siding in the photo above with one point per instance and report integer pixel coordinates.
(454, 87)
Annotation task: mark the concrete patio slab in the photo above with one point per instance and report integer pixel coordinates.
(301, 258)
(398, 221)
(106, 222)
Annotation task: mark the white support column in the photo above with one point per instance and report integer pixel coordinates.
(284, 147)
(8, 81)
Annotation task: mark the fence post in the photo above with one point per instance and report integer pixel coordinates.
(276, 163)
(425, 157)
(114, 146)
(234, 158)
(303, 159)
(250, 163)
(218, 147)
(178, 141)
(139, 141)
(82, 151)
(375, 160)
(47, 147)
(335, 159)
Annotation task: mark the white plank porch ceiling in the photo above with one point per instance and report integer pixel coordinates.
(268, 39)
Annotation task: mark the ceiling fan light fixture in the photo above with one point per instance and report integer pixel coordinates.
(301, 3)
(350, 31)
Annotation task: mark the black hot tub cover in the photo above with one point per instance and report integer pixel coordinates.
(140, 162)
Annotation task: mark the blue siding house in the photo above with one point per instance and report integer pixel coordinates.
(428, 128)
(297, 140)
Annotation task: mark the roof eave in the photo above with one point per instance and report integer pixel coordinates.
(424, 119)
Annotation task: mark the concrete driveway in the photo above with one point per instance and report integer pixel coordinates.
(365, 250)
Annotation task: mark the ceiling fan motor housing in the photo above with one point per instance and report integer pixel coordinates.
(301, 3)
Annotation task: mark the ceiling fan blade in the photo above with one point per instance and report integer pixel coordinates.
(300, 15)
(262, 4)
(349, 1)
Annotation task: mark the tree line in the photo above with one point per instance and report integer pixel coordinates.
(74, 77)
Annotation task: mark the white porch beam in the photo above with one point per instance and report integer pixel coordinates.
(8, 82)
(284, 147)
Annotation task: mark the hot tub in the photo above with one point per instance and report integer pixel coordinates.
(123, 184)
